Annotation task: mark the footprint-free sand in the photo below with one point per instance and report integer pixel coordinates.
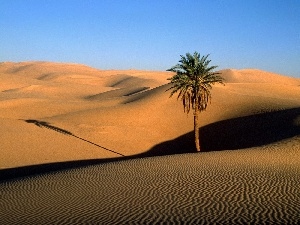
(81, 145)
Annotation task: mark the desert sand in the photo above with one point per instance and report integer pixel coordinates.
(81, 145)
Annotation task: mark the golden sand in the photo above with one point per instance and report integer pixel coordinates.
(90, 137)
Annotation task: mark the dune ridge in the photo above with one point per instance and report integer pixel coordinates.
(58, 121)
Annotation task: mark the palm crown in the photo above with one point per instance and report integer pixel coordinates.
(194, 79)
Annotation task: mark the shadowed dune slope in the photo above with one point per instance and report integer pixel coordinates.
(262, 129)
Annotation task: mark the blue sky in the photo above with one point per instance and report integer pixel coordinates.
(152, 34)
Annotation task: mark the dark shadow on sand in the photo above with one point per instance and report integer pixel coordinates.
(238, 133)
(34, 170)
(231, 134)
(60, 130)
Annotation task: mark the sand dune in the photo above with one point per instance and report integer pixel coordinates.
(129, 111)
(54, 117)
(257, 76)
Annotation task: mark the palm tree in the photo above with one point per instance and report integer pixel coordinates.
(194, 79)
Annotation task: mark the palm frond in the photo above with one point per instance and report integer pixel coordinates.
(193, 81)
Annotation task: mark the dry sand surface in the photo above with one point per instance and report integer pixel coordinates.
(80, 145)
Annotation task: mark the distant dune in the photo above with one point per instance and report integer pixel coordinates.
(60, 117)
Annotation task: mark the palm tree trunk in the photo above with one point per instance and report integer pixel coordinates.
(196, 130)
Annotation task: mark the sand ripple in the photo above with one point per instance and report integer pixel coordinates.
(189, 188)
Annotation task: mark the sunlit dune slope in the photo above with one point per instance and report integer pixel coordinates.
(127, 111)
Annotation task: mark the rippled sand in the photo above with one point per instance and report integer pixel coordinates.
(218, 187)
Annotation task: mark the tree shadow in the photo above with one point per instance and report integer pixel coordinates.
(32, 170)
(60, 130)
(232, 134)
